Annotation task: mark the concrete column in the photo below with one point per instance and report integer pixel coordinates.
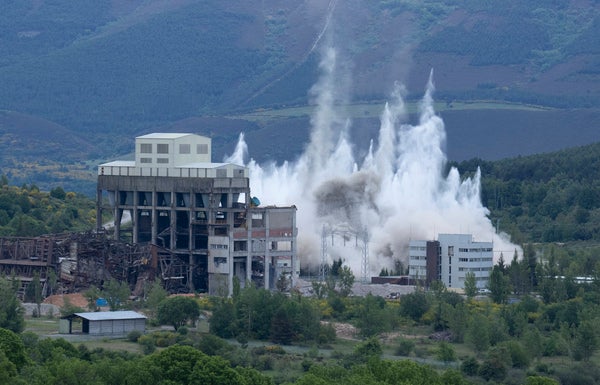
(249, 250)
(267, 253)
(117, 221)
(134, 216)
(154, 217)
(99, 210)
(294, 256)
(172, 220)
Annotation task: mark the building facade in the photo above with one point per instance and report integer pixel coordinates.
(449, 258)
(199, 213)
(104, 323)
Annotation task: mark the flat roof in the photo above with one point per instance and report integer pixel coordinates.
(108, 315)
(164, 135)
(207, 165)
(200, 165)
(120, 163)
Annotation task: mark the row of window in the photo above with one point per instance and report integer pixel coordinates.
(163, 148)
(475, 269)
(158, 160)
(476, 250)
(420, 248)
(475, 259)
(217, 246)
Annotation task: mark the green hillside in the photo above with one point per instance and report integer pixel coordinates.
(102, 73)
(551, 197)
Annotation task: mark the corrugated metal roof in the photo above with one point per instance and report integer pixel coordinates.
(110, 315)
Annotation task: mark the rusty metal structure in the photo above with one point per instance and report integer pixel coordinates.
(72, 262)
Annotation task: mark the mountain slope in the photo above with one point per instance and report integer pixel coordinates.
(112, 70)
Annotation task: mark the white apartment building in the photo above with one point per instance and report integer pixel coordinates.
(449, 258)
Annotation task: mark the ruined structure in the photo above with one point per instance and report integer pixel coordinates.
(199, 216)
(73, 262)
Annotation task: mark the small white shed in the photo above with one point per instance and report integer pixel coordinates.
(115, 323)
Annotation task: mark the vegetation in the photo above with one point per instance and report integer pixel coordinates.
(11, 311)
(66, 95)
(27, 211)
(177, 311)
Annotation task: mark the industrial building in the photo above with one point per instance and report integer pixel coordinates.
(103, 323)
(449, 258)
(199, 213)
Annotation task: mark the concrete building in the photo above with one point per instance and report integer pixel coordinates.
(201, 213)
(449, 258)
(103, 323)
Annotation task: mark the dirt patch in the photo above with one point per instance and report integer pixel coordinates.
(343, 330)
(75, 299)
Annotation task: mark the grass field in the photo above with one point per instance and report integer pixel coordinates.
(361, 110)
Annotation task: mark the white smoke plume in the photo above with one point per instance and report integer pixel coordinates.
(398, 192)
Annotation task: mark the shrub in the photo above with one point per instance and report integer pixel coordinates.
(470, 366)
(404, 347)
(134, 335)
(147, 343)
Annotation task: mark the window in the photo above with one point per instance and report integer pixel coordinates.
(184, 148)
(162, 148)
(220, 260)
(202, 148)
(221, 173)
(162, 160)
(145, 160)
(146, 148)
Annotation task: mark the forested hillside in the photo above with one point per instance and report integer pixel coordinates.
(104, 73)
(27, 211)
(551, 197)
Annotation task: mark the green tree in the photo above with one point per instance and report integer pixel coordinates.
(585, 342)
(214, 371)
(499, 285)
(175, 364)
(282, 330)
(11, 311)
(319, 289)
(540, 380)
(91, 295)
(478, 333)
(58, 193)
(33, 292)
(457, 319)
(470, 285)
(221, 320)
(117, 294)
(178, 311)
(13, 348)
(346, 281)
(368, 348)
(156, 294)
(445, 352)
(372, 316)
(8, 370)
(414, 305)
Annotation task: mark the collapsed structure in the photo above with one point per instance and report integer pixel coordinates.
(198, 216)
(449, 258)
